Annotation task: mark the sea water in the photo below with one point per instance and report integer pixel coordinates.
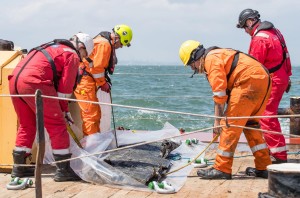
(170, 88)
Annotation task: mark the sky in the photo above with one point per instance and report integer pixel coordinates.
(159, 26)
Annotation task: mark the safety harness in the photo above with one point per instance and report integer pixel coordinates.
(234, 62)
(268, 26)
(235, 59)
(234, 65)
(111, 65)
(42, 48)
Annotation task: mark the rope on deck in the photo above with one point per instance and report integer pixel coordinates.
(148, 142)
(126, 147)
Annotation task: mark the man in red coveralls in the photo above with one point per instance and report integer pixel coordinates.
(52, 68)
(268, 47)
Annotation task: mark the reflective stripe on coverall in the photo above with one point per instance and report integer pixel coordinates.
(266, 48)
(38, 74)
(249, 92)
(87, 88)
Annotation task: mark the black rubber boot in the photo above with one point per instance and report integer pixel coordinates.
(19, 171)
(256, 173)
(277, 160)
(63, 170)
(213, 174)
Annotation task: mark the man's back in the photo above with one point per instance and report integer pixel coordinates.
(266, 47)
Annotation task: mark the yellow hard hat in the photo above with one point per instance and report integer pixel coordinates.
(125, 34)
(186, 50)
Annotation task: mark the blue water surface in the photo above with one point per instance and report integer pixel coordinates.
(170, 88)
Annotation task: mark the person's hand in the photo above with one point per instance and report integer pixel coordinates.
(105, 87)
(289, 86)
(217, 130)
(69, 118)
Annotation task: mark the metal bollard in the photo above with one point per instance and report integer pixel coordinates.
(294, 109)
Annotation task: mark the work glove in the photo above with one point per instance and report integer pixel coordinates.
(289, 86)
(105, 87)
(69, 118)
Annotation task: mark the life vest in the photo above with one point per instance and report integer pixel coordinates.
(265, 25)
(113, 59)
(111, 64)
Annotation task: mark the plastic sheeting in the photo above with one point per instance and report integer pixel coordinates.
(95, 170)
(105, 122)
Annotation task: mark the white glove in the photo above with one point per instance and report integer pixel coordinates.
(69, 118)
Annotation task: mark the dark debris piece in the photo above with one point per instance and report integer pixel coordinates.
(166, 147)
(143, 163)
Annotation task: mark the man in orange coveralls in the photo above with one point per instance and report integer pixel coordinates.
(52, 68)
(244, 84)
(94, 74)
(268, 47)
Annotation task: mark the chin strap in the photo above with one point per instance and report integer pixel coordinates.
(200, 70)
(195, 72)
(251, 27)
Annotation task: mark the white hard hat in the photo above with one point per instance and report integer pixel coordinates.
(87, 40)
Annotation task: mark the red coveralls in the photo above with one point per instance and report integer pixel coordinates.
(38, 74)
(265, 46)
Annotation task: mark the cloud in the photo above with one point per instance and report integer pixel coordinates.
(159, 26)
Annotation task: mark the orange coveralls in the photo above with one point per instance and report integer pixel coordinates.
(250, 88)
(90, 81)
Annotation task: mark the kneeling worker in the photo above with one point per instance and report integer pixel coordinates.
(242, 82)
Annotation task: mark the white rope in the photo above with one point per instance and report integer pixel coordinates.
(180, 135)
(147, 65)
(159, 110)
(19, 165)
(122, 148)
(160, 119)
(148, 142)
(132, 107)
(266, 131)
(21, 96)
(174, 112)
(269, 116)
(139, 144)
(184, 96)
(143, 74)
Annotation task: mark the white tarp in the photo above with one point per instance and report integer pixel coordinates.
(95, 170)
(105, 122)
